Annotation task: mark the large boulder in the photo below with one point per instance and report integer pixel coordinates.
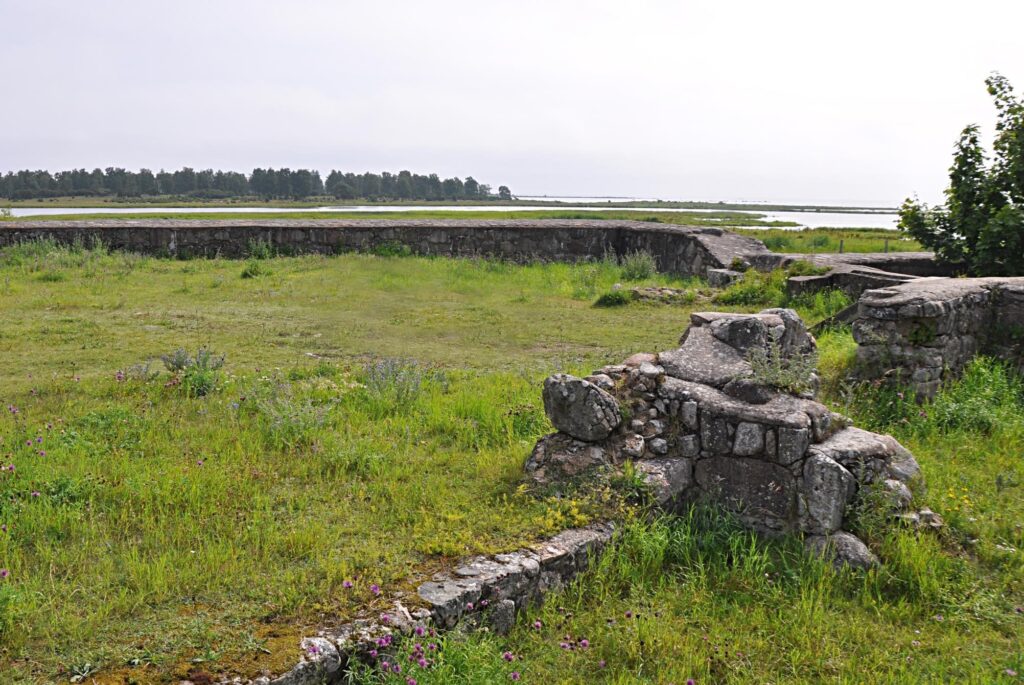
(580, 408)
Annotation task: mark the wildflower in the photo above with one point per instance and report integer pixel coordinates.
(42, 453)
(483, 603)
(4, 573)
(3, 528)
(602, 663)
(508, 656)
(537, 625)
(469, 606)
(313, 649)
(585, 643)
(691, 681)
(514, 675)
(39, 439)
(419, 631)
(938, 617)
(432, 647)
(347, 584)
(629, 614)
(375, 589)
(1010, 672)
(373, 653)
(396, 668)
(385, 618)
(410, 681)
(35, 493)
(422, 663)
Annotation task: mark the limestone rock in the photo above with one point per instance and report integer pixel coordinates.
(558, 457)
(580, 408)
(827, 489)
(843, 549)
(762, 494)
(667, 478)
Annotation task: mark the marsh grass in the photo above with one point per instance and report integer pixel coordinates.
(173, 531)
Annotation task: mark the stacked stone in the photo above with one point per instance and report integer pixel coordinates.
(697, 424)
(925, 331)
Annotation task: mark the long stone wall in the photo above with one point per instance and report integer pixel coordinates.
(927, 330)
(682, 250)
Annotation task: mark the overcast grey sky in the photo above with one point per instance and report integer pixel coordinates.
(811, 101)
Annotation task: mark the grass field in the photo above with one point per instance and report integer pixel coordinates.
(369, 425)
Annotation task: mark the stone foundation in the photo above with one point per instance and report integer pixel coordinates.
(923, 332)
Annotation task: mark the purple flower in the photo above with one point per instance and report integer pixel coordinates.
(384, 618)
(585, 643)
(469, 606)
(537, 625)
(410, 681)
(432, 647)
(39, 439)
(42, 453)
(3, 528)
(313, 649)
(347, 584)
(4, 573)
(514, 675)
(422, 663)
(373, 653)
(375, 589)
(508, 656)
(691, 681)
(419, 631)
(601, 663)
(396, 668)
(35, 493)
(484, 602)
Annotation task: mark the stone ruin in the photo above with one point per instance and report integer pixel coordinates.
(926, 331)
(699, 425)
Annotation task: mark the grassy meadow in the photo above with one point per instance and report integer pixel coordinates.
(367, 425)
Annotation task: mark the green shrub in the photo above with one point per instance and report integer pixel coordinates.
(254, 268)
(756, 288)
(614, 298)
(391, 248)
(198, 375)
(261, 249)
(802, 267)
(638, 265)
(792, 374)
(393, 384)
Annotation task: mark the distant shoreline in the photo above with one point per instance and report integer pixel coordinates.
(170, 201)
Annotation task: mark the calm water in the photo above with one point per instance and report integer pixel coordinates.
(804, 219)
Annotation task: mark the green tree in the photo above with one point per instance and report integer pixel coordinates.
(504, 193)
(981, 224)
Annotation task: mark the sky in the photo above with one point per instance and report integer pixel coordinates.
(787, 101)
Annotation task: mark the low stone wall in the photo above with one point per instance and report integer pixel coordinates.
(699, 424)
(480, 592)
(682, 250)
(927, 330)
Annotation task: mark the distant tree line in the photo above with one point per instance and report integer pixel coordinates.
(266, 184)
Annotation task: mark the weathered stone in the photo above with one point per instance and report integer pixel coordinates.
(659, 446)
(748, 391)
(668, 479)
(651, 370)
(721, 278)
(762, 494)
(843, 549)
(749, 439)
(897, 493)
(641, 358)
(827, 490)
(633, 446)
(502, 617)
(689, 445)
(703, 358)
(580, 408)
(793, 443)
(559, 457)
(602, 381)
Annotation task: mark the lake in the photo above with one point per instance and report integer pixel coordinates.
(810, 219)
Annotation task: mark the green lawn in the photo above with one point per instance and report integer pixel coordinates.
(173, 532)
